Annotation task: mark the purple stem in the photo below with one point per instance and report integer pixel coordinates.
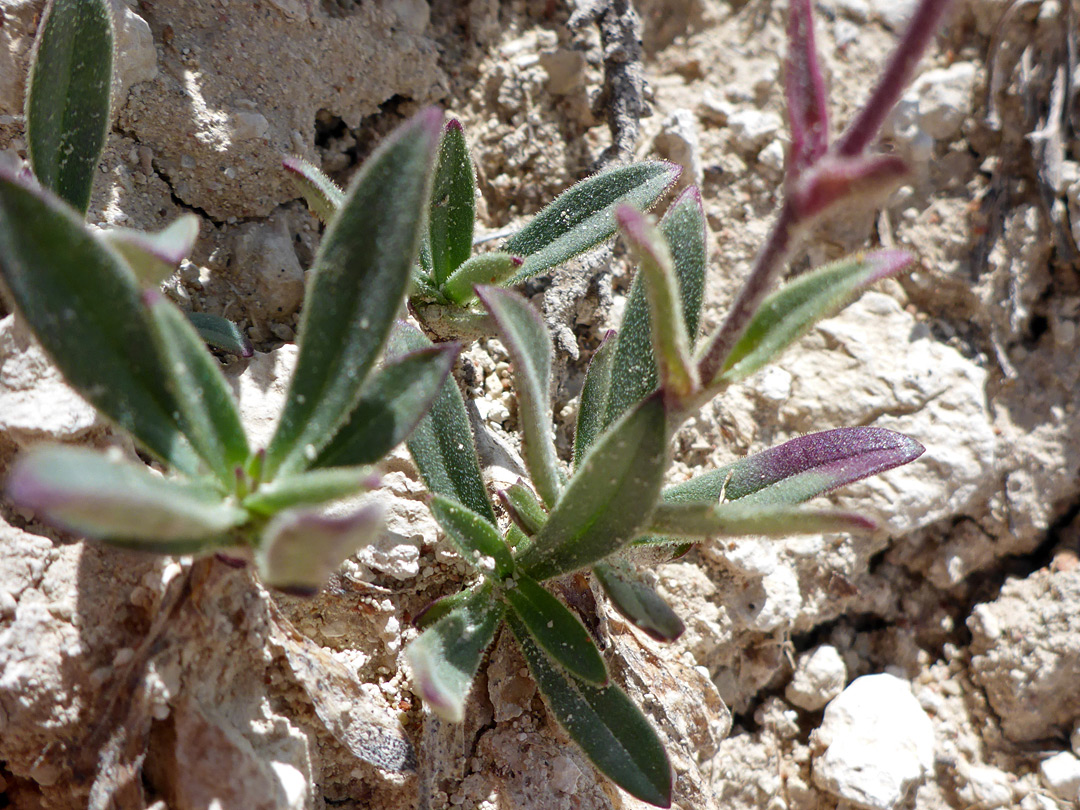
(804, 87)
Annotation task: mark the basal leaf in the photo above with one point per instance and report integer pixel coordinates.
(686, 520)
(116, 501)
(638, 602)
(439, 608)
(86, 310)
(67, 100)
(354, 290)
(310, 487)
(583, 216)
(523, 507)
(594, 396)
(206, 411)
(453, 204)
(802, 468)
(604, 722)
(442, 443)
(476, 538)
(153, 257)
(323, 196)
(392, 402)
(609, 497)
(485, 268)
(525, 337)
(221, 334)
(787, 314)
(558, 631)
(446, 656)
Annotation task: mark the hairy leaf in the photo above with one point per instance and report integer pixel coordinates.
(322, 194)
(153, 257)
(221, 334)
(310, 487)
(594, 397)
(486, 268)
(583, 216)
(523, 507)
(476, 538)
(638, 602)
(453, 204)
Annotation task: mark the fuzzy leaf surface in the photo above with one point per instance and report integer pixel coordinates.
(442, 443)
(526, 338)
(221, 334)
(523, 507)
(68, 96)
(583, 216)
(558, 631)
(117, 501)
(453, 204)
(153, 257)
(609, 497)
(604, 722)
(638, 602)
(323, 196)
(86, 310)
(485, 268)
(446, 656)
(733, 519)
(308, 488)
(476, 538)
(392, 402)
(354, 290)
(594, 397)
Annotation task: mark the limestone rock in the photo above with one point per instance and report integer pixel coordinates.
(1061, 774)
(819, 676)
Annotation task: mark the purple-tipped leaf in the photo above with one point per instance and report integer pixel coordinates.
(741, 518)
(802, 468)
(524, 508)
(804, 87)
(299, 550)
(835, 180)
(153, 257)
(638, 602)
(324, 197)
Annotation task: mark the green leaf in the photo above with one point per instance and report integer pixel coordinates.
(67, 101)
(671, 346)
(609, 497)
(310, 487)
(442, 443)
(299, 550)
(439, 608)
(206, 411)
(583, 216)
(354, 290)
(526, 339)
(594, 396)
(523, 507)
(324, 197)
(633, 368)
(392, 402)
(453, 204)
(476, 538)
(221, 334)
(558, 631)
(787, 314)
(485, 268)
(446, 656)
(86, 310)
(153, 257)
(86, 492)
(638, 602)
(686, 520)
(604, 722)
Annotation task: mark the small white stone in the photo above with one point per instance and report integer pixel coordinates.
(819, 676)
(989, 788)
(774, 384)
(249, 126)
(753, 128)
(1061, 775)
(679, 142)
(564, 775)
(293, 784)
(772, 156)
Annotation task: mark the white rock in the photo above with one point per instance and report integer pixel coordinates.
(820, 675)
(878, 743)
(988, 788)
(265, 253)
(754, 128)
(414, 15)
(1061, 774)
(136, 56)
(679, 142)
(293, 784)
(894, 14)
(774, 383)
(783, 599)
(260, 386)
(249, 125)
(944, 99)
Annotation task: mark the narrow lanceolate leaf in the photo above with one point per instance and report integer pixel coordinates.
(638, 602)
(739, 518)
(446, 656)
(787, 314)
(153, 257)
(392, 402)
(523, 507)
(85, 309)
(583, 216)
(604, 722)
(442, 443)
(802, 468)
(67, 101)
(525, 337)
(309, 488)
(633, 370)
(558, 631)
(354, 290)
(475, 537)
(221, 334)
(324, 197)
(671, 346)
(486, 268)
(299, 550)
(609, 498)
(84, 491)
(804, 89)
(594, 397)
(206, 411)
(434, 611)
(453, 204)
(849, 180)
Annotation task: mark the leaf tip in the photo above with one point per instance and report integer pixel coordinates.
(454, 125)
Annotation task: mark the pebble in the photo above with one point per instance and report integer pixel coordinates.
(877, 743)
(820, 675)
(988, 788)
(1061, 775)
(753, 128)
(679, 142)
